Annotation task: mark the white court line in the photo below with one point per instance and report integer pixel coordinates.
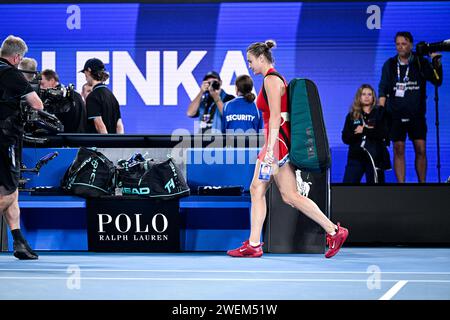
(226, 271)
(220, 279)
(394, 290)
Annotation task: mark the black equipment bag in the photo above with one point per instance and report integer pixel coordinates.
(91, 174)
(146, 177)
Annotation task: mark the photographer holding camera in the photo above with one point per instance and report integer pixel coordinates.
(74, 119)
(208, 104)
(402, 90)
(13, 87)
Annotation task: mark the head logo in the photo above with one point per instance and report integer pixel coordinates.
(140, 191)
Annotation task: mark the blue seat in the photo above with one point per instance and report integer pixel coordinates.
(217, 223)
(220, 167)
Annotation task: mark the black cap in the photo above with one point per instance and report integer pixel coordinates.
(212, 74)
(94, 64)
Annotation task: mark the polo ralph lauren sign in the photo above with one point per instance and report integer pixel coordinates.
(131, 224)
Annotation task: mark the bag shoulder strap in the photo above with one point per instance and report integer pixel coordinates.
(282, 132)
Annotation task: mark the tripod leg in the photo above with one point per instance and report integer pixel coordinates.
(438, 150)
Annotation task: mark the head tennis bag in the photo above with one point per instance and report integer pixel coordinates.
(91, 174)
(309, 149)
(148, 178)
(309, 142)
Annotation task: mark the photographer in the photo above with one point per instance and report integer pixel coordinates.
(13, 87)
(102, 107)
(74, 119)
(208, 104)
(402, 90)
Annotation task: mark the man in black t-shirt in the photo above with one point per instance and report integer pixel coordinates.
(74, 119)
(13, 88)
(208, 104)
(403, 90)
(103, 109)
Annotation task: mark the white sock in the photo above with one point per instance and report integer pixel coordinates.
(254, 244)
(334, 232)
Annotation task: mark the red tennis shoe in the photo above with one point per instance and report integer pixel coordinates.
(247, 251)
(335, 242)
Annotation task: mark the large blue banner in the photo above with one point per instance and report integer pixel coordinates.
(157, 54)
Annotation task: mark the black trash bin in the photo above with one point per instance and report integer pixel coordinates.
(287, 230)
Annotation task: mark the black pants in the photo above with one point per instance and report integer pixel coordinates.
(356, 168)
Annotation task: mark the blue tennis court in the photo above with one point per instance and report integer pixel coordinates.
(355, 273)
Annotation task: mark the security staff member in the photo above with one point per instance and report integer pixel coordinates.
(241, 113)
(74, 119)
(13, 88)
(103, 110)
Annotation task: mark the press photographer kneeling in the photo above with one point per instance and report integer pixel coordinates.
(13, 88)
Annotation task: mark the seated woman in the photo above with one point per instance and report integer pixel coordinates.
(366, 132)
(241, 113)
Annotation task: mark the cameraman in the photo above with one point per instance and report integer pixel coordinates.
(102, 107)
(28, 64)
(74, 119)
(13, 87)
(402, 90)
(208, 104)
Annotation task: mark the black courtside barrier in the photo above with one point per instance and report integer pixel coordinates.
(287, 230)
(393, 214)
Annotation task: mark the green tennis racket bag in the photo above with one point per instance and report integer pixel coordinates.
(309, 149)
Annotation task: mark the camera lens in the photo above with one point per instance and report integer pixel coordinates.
(215, 85)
